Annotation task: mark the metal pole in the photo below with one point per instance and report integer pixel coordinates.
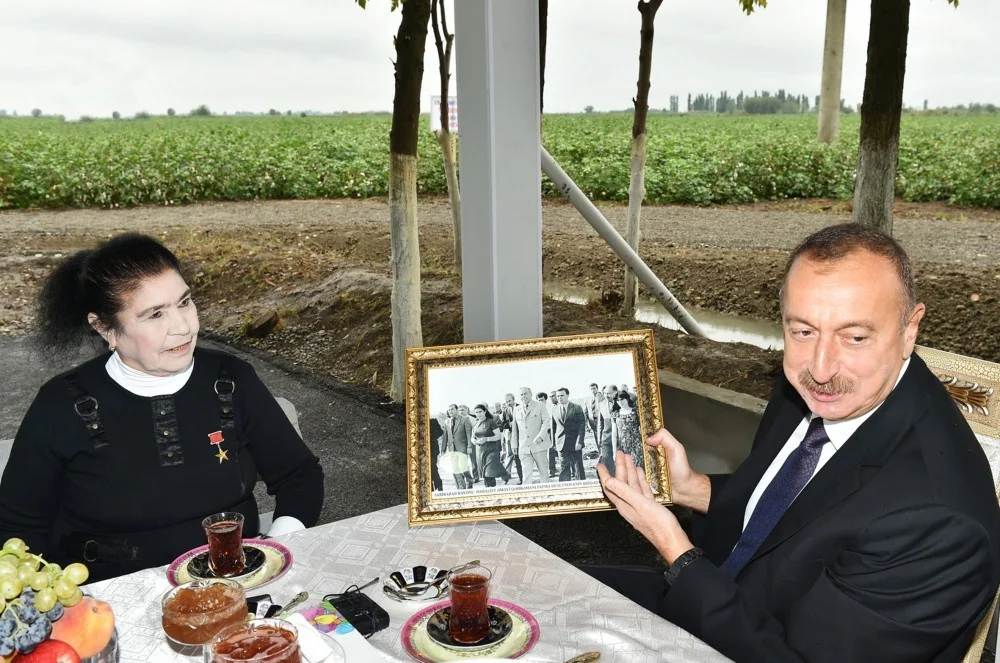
(618, 244)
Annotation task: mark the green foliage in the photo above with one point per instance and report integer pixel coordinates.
(201, 111)
(705, 159)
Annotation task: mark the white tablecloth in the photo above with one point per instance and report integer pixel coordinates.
(575, 612)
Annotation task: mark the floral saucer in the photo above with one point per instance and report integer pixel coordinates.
(267, 560)
(419, 644)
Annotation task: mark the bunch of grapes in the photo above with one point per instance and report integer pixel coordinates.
(33, 594)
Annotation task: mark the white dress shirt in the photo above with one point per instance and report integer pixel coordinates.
(838, 432)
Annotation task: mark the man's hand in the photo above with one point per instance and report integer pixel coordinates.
(687, 487)
(629, 491)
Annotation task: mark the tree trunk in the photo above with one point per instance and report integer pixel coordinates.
(833, 69)
(637, 175)
(881, 106)
(443, 40)
(406, 329)
(446, 140)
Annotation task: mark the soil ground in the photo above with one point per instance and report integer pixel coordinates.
(323, 268)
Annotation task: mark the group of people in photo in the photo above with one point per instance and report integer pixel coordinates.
(541, 436)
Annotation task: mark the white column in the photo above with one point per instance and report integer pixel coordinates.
(496, 66)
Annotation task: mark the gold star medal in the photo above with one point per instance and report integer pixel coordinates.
(222, 455)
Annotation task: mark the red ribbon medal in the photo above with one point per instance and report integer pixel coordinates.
(215, 438)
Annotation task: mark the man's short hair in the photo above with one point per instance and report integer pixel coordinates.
(837, 242)
(563, 389)
(542, 396)
(594, 385)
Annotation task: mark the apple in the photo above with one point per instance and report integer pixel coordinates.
(51, 651)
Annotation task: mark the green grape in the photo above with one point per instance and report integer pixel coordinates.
(40, 581)
(15, 545)
(10, 588)
(64, 588)
(74, 599)
(3, 604)
(31, 561)
(25, 574)
(45, 599)
(76, 573)
(55, 570)
(7, 570)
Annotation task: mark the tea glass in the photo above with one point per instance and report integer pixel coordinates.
(224, 532)
(470, 618)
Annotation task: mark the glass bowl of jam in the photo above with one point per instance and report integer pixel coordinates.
(258, 640)
(195, 612)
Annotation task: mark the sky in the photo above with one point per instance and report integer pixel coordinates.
(98, 56)
(488, 383)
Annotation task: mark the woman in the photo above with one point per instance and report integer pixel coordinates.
(486, 436)
(117, 461)
(629, 430)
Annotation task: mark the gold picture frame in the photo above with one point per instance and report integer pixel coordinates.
(483, 376)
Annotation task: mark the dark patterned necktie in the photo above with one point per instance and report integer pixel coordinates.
(794, 474)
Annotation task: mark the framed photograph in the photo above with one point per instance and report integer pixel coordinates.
(516, 428)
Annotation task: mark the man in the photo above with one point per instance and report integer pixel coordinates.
(544, 399)
(472, 450)
(891, 550)
(458, 436)
(591, 410)
(568, 428)
(606, 431)
(510, 440)
(531, 430)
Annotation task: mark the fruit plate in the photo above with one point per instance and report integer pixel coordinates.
(418, 643)
(276, 560)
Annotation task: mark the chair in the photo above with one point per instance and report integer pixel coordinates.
(975, 386)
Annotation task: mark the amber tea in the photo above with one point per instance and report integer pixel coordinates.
(224, 532)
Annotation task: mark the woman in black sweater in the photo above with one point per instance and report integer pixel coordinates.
(117, 461)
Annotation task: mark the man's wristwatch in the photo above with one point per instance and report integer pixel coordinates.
(670, 575)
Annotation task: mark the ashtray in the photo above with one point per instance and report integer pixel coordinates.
(399, 581)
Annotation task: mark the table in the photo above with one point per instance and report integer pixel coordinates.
(575, 612)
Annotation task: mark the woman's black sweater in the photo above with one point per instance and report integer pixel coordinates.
(133, 495)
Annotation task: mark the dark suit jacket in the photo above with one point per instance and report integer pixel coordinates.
(890, 553)
(567, 432)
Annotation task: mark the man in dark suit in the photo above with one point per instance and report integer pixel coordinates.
(864, 526)
(568, 430)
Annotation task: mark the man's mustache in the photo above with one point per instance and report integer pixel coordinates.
(836, 385)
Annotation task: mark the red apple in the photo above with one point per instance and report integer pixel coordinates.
(51, 651)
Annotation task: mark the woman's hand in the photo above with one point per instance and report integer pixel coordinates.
(629, 491)
(687, 487)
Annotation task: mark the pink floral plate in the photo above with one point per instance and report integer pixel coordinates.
(277, 559)
(421, 646)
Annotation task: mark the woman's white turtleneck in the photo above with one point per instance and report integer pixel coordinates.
(144, 384)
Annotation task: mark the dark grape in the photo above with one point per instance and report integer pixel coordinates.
(7, 625)
(56, 612)
(6, 645)
(28, 597)
(23, 643)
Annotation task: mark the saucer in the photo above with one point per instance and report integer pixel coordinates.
(418, 643)
(267, 560)
(501, 626)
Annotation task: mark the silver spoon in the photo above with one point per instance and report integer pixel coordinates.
(419, 588)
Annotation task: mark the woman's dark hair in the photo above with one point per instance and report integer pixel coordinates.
(624, 393)
(485, 408)
(96, 281)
